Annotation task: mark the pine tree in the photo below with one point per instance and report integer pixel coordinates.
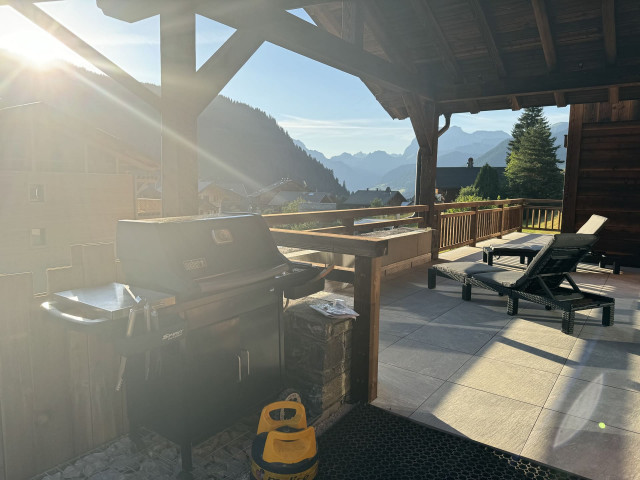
(530, 116)
(488, 182)
(532, 171)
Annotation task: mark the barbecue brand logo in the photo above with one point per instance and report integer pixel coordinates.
(221, 236)
(172, 336)
(195, 264)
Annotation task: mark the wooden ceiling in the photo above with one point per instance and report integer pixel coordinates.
(480, 55)
(462, 55)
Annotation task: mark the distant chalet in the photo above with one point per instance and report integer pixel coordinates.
(363, 198)
(449, 180)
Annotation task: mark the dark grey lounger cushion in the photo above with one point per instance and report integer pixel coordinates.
(465, 268)
(506, 278)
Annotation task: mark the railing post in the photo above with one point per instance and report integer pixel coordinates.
(366, 299)
(521, 215)
(474, 226)
(434, 221)
(502, 219)
(348, 223)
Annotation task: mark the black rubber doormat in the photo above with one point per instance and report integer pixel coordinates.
(369, 443)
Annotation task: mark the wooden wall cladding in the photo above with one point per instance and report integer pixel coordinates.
(603, 174)
(57, 387)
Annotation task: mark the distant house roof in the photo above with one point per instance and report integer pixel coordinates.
(237, 188)
(291, 185)
(150, 192)
(365, 197)
(458, 177)
(283, 198)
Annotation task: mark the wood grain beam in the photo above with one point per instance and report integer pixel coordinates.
(393, 47)
(416, 110)
(614, 95)
(560, 99)
(549, 83)
(487, 35)
(353, 22)
(322, 17)
(133, 11)
(221, 67)
(609, 30)
(430, 23)
(515, 103)
(294, 34)
(86, 51)
(544, 29)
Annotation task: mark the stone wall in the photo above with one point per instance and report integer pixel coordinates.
(317, 357)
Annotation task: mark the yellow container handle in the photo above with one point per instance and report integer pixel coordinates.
(290, 448)
(268, 424)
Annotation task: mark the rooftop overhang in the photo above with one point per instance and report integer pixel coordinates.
(464, 55)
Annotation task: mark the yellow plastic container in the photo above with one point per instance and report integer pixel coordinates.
(285, 448)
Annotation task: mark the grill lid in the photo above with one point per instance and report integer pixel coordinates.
(194, 255)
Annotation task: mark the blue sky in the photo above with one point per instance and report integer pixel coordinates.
(328, 110)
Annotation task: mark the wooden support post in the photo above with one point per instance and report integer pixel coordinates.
(474, 226)
(503, 211)
(179, 120)
(364, 363)
(572, 166)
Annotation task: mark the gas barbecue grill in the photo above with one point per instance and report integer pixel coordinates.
(199, 322)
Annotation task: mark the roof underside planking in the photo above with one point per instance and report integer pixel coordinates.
(464, 55)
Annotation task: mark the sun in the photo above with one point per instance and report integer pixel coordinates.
(36, 48)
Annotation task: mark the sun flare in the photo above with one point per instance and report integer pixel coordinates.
(37, 48)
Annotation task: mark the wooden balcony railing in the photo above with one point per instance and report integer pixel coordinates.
(479, 221)
(344, 221)
(476, 222)
(542, 214)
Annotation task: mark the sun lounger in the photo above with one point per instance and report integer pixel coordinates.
(541, 282)
(526, 251)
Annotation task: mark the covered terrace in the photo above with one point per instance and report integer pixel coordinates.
(422, 60)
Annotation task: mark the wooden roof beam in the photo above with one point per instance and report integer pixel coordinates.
(416, 110)
(515, 103)
(548, 83)
(353, 22)
(392, 47)
(221, 67)
(546, 38)
(561, 100)
(290, 32)
(322, 17)
(609, 30)
(614, 94)
(487, 35)
(429, 22)
(86, 51)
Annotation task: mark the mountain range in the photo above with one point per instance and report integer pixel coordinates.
(380, 169)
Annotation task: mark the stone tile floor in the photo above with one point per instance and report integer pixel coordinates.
(517, 383)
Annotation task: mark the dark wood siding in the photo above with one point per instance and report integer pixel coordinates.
(603, 175)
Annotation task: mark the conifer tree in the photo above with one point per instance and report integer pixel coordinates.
(530, 116)
(488, 182)
(532, 171)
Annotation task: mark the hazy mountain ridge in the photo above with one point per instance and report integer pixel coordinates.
(361, 170)
(455, 146)
(257, 150)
